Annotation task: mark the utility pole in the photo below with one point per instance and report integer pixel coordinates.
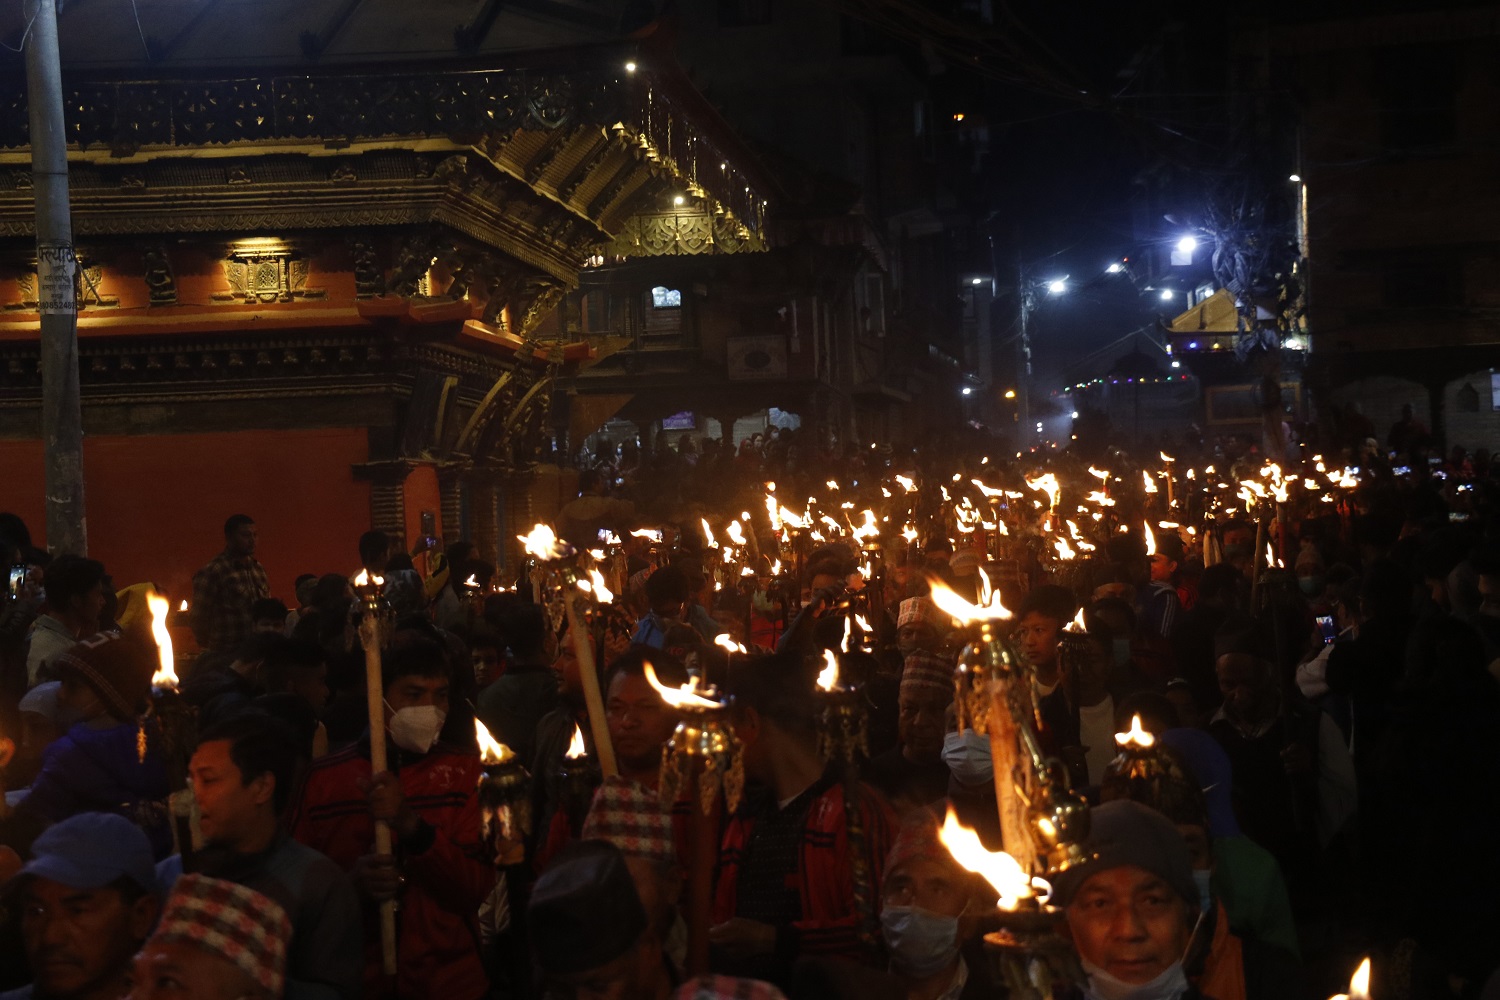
(1023, 352)
(62, 414)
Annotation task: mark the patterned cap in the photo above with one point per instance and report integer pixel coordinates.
(628, 816)
(231, 922)
(726, 988)
(922, 611)
(118, 668)
(927, 671)
(917, 840)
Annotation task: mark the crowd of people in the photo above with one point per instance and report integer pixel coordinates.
(1323, 777)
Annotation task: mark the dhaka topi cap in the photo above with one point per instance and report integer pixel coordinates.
(923, 611)
(917, 840)
(231, 922)
(926, 672)
(585, 911)
(627, 815)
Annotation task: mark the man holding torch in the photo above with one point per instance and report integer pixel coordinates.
(437, 870)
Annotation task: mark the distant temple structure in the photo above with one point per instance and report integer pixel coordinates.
(320, 272)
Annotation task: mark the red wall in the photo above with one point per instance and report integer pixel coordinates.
(157, 505)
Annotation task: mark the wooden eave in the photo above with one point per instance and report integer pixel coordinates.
(595, 146)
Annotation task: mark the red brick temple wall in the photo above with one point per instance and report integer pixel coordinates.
(157, 503)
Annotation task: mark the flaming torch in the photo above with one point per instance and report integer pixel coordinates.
(178, 720)
(701, 752)
(1042, 821)
(843, 730)
(374, 627)
(504, 799)
(557, 566)
(578, 776)
(1033, 958)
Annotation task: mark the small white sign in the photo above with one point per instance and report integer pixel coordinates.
(56, 285)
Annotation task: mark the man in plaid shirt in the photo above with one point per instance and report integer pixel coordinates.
(224, 590)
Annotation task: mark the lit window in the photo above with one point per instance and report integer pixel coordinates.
(666, 298)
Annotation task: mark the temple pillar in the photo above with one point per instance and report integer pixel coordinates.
(387, 496)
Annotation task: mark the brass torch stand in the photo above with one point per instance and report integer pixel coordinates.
(703, 753)
(1043, 823)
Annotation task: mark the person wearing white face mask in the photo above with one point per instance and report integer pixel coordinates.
(1133, 915)
(429, 798)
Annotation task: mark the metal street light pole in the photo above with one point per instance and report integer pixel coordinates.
(62, 416)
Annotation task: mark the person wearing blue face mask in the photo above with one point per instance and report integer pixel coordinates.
(930, 910)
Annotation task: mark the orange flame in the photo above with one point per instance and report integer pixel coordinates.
(491, 751)
(989, 610)
(542, 543)
(1137, 738)
(723, 641)
(166, 672)
(576, 749)
(687, 696)
(1046, 484)
(1150, 539)
(1076, 625)
(1359, 984)
(828, 677)
(365, 579)
(999, 869)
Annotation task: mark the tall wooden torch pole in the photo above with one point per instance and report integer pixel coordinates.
(369, 635)
(593, 697)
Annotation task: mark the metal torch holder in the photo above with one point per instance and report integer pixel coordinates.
(843, 726)
(703, 738)
(578, 778)
(1044, 824)
(504, 805)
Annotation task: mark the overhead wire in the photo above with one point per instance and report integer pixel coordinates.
(27, 33)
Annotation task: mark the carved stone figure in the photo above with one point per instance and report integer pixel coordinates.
(161, 285)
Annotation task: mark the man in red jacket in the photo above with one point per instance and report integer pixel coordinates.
(440, 872)
(800, 863)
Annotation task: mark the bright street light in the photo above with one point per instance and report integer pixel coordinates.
(967, 390)
(1057, 287)
(1010, 394)
(1187, 244)
(1166, 295)
(976, 281)
(1177, 364)
(1295, 178)
(1114, 268)
(630, 67)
